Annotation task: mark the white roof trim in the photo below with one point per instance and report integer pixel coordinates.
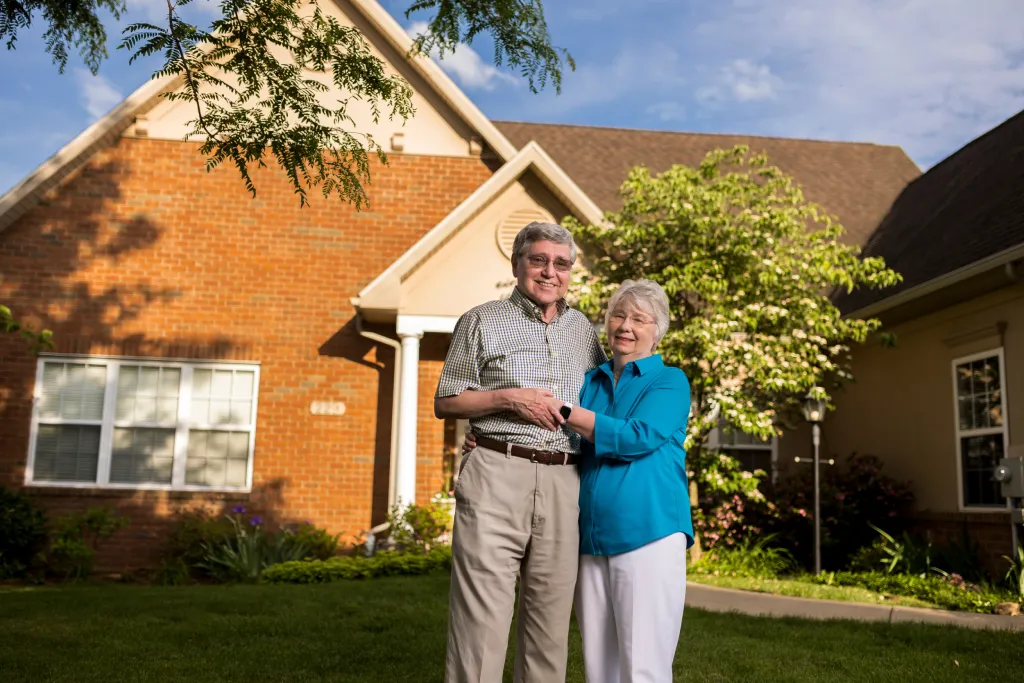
(16, 201)
(1002, 258)
(532, 156)
(435, 75)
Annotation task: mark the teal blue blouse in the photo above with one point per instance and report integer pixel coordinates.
(633, 484)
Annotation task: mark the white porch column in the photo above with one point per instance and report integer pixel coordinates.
(405, 485)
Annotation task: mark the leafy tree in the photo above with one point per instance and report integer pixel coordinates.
(749, 266)
(257, 74)
(37, 341)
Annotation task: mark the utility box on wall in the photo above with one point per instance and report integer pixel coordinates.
(1010, 473)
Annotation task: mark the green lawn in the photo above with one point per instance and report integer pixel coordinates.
(802, 589)
(388, 630)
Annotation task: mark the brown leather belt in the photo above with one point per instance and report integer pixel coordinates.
(532, 454)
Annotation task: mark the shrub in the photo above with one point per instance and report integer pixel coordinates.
(950, 592)
(749, 558)
(419, 528)
(854, 496)
(1015, 574)
(385, 563)
(732, 507)
(22, 533)
(74, 540)
(916, 555)
(320, 545)
(249, 549)
(183, 549)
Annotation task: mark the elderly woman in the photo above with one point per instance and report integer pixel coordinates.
(635, 524)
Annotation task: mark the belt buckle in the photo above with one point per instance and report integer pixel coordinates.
(533, 457)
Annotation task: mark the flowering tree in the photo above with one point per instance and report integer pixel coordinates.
(749, 266)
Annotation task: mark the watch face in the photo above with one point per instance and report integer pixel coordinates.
(566, 411)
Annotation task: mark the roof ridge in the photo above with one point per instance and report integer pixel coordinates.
(698, 133)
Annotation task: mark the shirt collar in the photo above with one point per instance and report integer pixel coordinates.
(637, 367)
(532, 309)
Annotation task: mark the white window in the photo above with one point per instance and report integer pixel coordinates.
(751, 452)
(143, 423)
(981, 432)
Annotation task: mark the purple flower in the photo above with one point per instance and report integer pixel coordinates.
(238, 509)
(256, 521)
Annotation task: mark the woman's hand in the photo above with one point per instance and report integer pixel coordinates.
(470, 442)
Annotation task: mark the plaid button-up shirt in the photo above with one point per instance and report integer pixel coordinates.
(507, 345)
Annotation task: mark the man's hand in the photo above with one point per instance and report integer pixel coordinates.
(536, 406)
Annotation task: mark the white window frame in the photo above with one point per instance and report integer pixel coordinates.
(113, 363)
(959, 434)
(716, 442)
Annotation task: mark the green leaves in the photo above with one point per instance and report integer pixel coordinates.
(68, 24)
(749, 266)
(258, 80)
(517, 27)
(37, 341)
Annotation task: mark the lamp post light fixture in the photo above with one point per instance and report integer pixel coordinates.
(814, 412)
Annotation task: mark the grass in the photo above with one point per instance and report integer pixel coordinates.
(802, 589)
(393, 629)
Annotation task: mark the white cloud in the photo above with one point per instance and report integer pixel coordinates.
(632, 73)
(466, 66)
(97, 93)
(928, 76)
(667, 111)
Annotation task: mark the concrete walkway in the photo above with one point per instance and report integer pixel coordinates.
(716, 599)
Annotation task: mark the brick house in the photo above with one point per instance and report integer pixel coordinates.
(214, 348)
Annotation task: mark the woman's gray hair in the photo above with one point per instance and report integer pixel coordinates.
(646, 295)
(542, 232)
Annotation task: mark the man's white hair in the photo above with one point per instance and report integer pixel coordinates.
(542, 232)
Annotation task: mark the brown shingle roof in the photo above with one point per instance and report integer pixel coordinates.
(855, 181)
(966, 208)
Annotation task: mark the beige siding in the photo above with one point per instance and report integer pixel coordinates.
(901, 407)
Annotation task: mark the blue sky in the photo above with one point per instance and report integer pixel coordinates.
(927, 75)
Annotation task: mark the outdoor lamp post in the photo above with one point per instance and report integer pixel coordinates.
(814, 412)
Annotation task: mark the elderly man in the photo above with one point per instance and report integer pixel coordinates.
(517, 495)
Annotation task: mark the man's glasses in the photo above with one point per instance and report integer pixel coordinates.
(540, 262)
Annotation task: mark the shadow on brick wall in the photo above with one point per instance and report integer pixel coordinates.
(348, 344)
(65, 266)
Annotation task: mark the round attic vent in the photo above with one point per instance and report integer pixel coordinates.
(510, 226)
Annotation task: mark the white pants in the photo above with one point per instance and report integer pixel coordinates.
(630, 610)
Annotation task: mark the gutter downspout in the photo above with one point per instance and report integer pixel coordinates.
(397, 346)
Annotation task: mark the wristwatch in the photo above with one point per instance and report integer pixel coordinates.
(565, 411)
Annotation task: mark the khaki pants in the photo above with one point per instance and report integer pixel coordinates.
(512, 517)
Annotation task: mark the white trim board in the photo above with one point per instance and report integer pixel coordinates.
(381, 293)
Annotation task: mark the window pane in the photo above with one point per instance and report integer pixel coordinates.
(963, 375)
(752, 459)
(217, 458)
(981, 420)
(988, 374)
(223, 397)
(147, 394)
(995, 408)
(201, 380)
(66, 453)
(979, 455)
(73, 391)
(142, 456)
